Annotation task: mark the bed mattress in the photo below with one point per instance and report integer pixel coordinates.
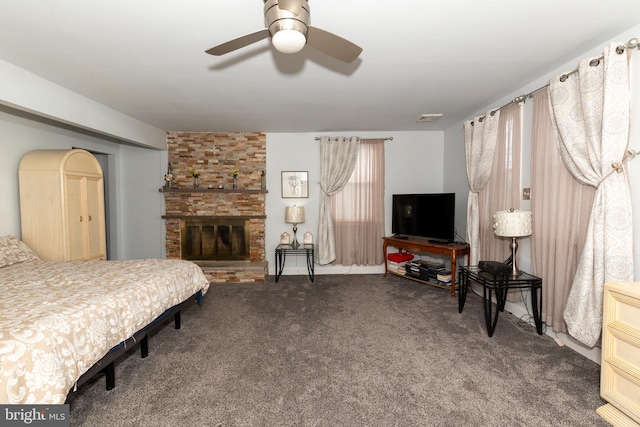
(57, 319)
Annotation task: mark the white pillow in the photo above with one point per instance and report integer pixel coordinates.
(13, 251)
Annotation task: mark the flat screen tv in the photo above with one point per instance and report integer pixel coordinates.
(424, 215)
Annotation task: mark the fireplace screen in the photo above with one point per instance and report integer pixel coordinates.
(215, 239)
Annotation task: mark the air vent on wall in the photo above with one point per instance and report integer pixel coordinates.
(429, 117)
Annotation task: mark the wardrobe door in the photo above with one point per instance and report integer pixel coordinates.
(76, 218)
(95, 219)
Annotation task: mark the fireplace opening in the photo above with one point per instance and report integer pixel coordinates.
(215, 238)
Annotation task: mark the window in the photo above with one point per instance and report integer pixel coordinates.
(502, 191)
(358, 210)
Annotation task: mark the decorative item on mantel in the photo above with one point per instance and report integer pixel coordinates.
(168, 178)
(195, 174)
(234, 174)
(263, 181)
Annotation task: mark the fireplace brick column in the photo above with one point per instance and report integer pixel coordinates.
(215, 155)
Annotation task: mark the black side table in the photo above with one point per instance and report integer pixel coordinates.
(281, 257)
(500, 285)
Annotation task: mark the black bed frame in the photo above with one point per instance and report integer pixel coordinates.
(106, 365)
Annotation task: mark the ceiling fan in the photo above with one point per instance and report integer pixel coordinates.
(288, 26)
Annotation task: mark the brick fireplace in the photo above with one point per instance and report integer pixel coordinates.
(220, 229)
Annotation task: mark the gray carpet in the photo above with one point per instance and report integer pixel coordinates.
(347, 350)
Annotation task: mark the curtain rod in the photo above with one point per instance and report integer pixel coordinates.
(631, 44)
(389, 138)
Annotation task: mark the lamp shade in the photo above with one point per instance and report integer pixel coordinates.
(294, 214)
(512, 223)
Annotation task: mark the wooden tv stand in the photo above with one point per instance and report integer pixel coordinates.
(417, 244)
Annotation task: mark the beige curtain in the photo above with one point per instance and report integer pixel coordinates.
(561, 209)
(358, 210)
(502, 191)
(480, 137)
(590, 113)
(337, 160)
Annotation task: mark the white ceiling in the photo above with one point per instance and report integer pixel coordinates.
(146, 58)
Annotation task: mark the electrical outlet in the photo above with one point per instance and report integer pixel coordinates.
(526, 194)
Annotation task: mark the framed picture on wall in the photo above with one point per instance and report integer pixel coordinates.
(295, 184)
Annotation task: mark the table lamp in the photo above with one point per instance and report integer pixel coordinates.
(513, 224)
(294, 215)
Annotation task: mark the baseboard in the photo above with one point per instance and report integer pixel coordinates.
(301, 268)
(591, 353)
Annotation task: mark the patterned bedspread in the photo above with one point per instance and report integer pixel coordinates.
(57, 319)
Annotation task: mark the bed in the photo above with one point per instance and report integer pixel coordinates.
(58, 320)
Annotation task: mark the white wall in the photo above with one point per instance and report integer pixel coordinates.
(455, 161)
(136, 229)
(143, 227)
(455, 175)
(33, 94)
(413, 164)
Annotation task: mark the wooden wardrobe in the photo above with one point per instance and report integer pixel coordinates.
(62, 205)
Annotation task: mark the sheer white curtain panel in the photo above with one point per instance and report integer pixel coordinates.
(502, 191)
(358, 210)
(561, 209)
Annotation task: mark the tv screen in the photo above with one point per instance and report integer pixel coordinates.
(424, 215)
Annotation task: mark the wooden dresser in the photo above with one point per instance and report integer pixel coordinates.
(62, 205)
(620, 371)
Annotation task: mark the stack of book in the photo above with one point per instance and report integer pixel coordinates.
(429, 271)
(444, 278)
(397, 262)
(397, 267)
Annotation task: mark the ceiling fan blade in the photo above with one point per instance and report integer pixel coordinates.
(332, 45)
(238, 43)
(292, 6)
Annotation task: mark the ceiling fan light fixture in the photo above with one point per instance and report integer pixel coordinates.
(288, 41)
(287, 25)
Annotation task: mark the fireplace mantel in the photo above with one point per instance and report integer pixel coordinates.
(186, 216)
(210, 190)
